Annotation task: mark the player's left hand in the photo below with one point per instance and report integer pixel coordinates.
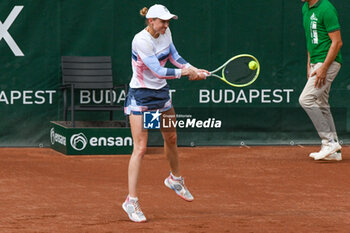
(202, 74)
(203, 71)
(321, 74)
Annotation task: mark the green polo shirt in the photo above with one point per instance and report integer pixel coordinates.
(319, 20)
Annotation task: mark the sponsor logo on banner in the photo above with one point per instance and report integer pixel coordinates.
(4, 31)
(55, 137)
(79, 141)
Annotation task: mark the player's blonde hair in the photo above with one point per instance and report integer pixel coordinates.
(144, 11)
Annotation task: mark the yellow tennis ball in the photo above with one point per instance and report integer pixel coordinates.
(253, 65)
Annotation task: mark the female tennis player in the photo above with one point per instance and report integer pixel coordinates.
(151, 48)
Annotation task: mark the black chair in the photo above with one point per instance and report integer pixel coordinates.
(88, 73)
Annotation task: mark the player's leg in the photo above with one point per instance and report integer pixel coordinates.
(308, 100)
(326, 111)
(140, 136)
(174, 181)
(170, 142)
(322, 101)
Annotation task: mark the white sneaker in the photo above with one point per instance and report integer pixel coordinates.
(179, 187)
(335, 156)
(313, 154)
(328, 149)
(132, 208)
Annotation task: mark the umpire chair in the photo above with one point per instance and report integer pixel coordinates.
(88, 73)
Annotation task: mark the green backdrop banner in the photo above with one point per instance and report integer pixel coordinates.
(36, 33)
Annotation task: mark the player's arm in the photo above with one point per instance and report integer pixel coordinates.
(169, 73)
(176, 59)
(159, 71)
(174, 56)
(333, 51)
(179, 62)
(145, 51)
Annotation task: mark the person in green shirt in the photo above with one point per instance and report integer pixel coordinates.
(323, 39)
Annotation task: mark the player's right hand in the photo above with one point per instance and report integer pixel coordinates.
(202, 76)
(196, 76)
(192, 74)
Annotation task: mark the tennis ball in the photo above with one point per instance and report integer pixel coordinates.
(253, 65)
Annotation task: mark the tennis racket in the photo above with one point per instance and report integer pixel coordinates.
(239, 71)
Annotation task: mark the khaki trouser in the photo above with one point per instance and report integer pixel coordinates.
(315, 102)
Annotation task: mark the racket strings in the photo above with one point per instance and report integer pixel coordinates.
(238, 72)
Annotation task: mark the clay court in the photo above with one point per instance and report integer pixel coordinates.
(236, 189)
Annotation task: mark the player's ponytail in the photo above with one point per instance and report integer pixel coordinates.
(144, 11)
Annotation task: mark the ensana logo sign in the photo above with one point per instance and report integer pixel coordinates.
(79, 141)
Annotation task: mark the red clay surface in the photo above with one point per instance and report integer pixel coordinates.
(257, 189)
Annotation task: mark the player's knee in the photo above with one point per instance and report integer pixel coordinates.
(171, 139)
(140, 151)
(304, 101)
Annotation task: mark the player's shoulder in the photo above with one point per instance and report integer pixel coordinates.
(141, 37)
(327, 3)
(328, 11)
(328, 7)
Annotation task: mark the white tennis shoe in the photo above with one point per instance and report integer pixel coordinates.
(179, 187)
(327, 150)
(313, 154)
(335, 156)
(132, 208)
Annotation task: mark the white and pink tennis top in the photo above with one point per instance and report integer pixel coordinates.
(149, 56)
